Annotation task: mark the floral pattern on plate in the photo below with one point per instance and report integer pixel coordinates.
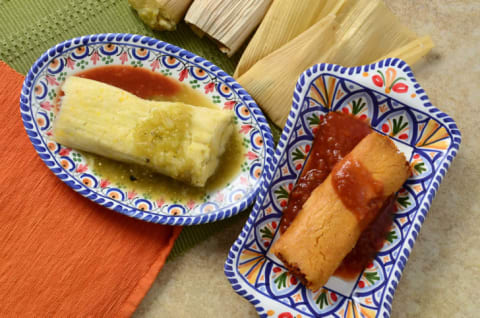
(387, 96)
(38, 108)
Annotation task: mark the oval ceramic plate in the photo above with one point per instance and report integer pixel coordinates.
(46, 76)
(386, 95)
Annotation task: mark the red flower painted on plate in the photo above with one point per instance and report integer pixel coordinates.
(46, 105)
(124, 57)
(160, 202)
(190, 204)
(209, 87)
(131, 194)
(229, 105)
(219, 197)
(70, 63)
(333, 296)
(104, 183)
(293, 280)
(400, 88)
(65, 151)
(243, 180)
(274, 225)
(403, 136)
(51, 80)
(82, 168)
(277, 269)
(245, 129)
(385, 128)
(361, 284)
(283, 203)
(49, 133)
(251, 155)
(183, 75)
(377, 80)
(154, 65)
(94, 58)
(285, 315)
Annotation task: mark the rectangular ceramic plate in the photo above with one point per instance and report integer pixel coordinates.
(387, 96)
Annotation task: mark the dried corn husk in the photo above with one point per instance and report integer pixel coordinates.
(161, 14)
(366, 31)
(228, 22)
(271, 80)
(284, 21)
(412, 51)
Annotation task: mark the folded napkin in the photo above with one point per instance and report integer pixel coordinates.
(61, 254)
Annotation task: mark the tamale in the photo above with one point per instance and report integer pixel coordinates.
(366, 31)
(328, 227)
(227, 22)
(284, 21)
(175, 139)
(271, 80)
(161, 14)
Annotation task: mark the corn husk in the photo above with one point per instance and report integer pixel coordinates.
(366, 31)
(161, 14)
(227, 22)
(272, 84)
(285, 20)
(412, 51)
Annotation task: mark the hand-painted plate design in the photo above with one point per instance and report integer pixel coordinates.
(37, 106)
(388, 96)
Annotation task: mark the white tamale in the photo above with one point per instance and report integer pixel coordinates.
(175, 139)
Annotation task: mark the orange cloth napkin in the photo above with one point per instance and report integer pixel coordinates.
(61, 254)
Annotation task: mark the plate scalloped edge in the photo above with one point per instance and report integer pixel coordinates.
(40, 146)
(262, 303)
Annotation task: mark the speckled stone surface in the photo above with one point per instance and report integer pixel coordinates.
(442, 276)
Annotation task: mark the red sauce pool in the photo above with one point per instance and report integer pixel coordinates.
(369, 243)
(337, 135)
(138, 81)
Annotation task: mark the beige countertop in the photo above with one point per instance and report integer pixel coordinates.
(442, 275)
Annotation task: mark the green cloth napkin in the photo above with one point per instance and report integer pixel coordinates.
(29, 27)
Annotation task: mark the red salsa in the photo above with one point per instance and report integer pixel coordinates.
(337, 135)
(359, 191)
(136, 80)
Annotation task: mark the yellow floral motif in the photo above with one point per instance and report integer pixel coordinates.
(434, 137)
(354, 309)
(250, 264)
(326, 88)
